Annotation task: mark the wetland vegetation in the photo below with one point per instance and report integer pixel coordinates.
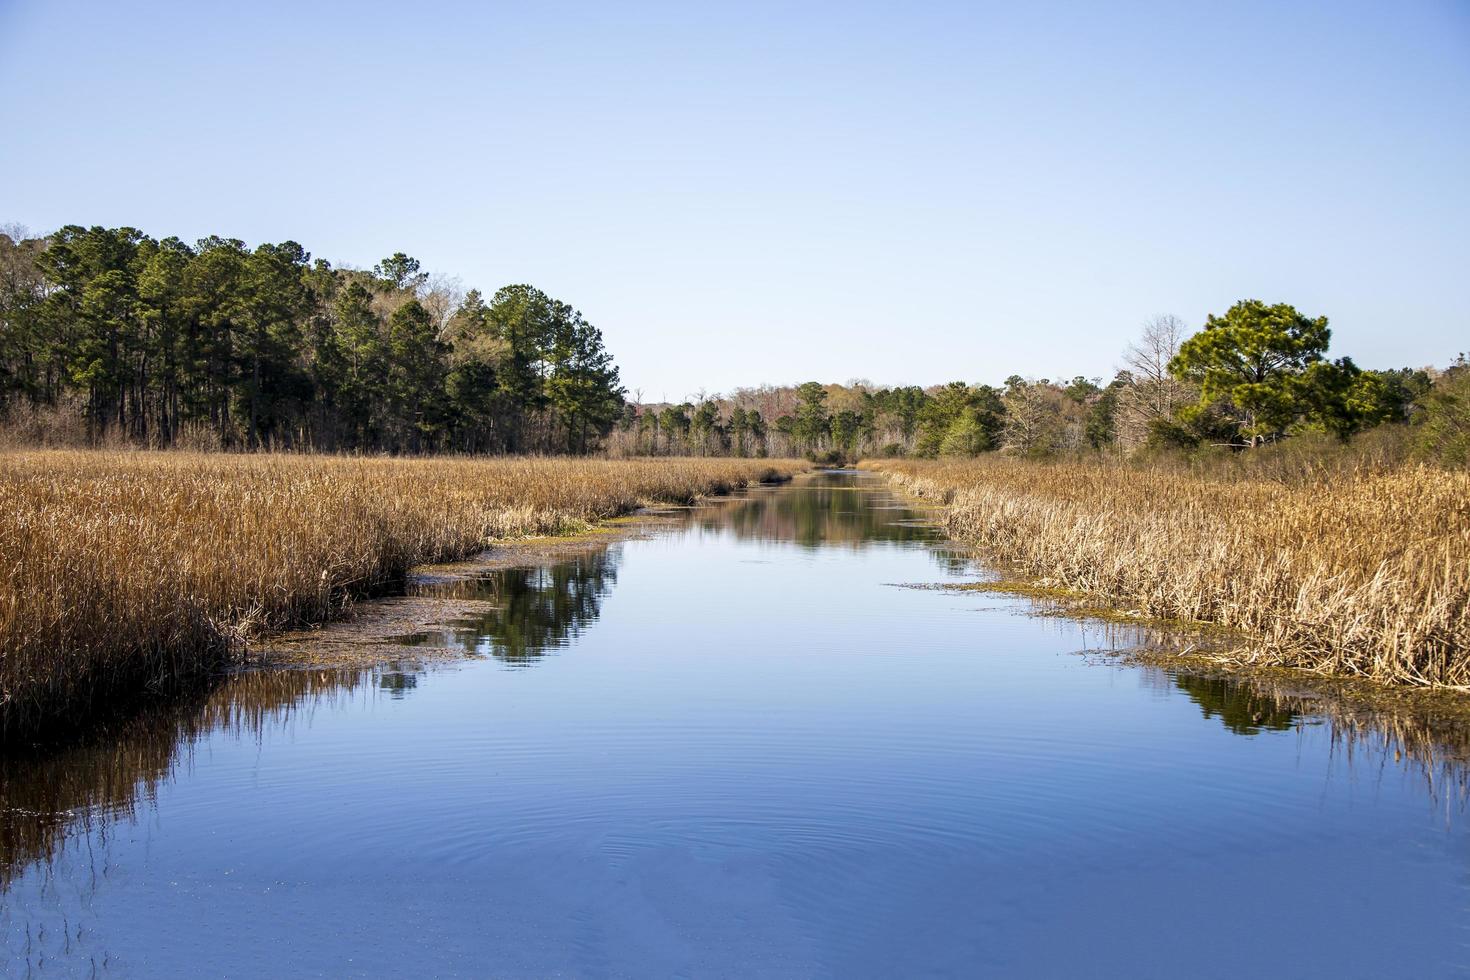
(1364, 573)
(132, 570)
(562, 739)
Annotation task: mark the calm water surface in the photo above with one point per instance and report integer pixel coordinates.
(739, 748)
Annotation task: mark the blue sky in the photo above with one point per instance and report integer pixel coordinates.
(746, 193)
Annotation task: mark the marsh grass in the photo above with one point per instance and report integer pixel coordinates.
(123, 571)
(1352, 573)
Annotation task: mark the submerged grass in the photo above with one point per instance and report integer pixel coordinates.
(122, 571)
(1363, 573)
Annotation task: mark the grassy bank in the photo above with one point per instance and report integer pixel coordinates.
(123, 570)
(1362, 573)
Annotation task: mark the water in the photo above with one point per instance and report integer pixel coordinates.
(740, 748)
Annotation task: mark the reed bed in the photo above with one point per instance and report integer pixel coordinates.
(1363, 573)
(126, 570)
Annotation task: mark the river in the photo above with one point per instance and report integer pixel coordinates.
(741, 744)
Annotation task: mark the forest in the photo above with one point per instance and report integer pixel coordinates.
(1254, 376)
(109, 336)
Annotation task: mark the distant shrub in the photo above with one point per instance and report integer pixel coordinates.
(1444, 433)
(964, 437)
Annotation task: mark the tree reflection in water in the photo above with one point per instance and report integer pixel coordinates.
(533, 610)
(826, 512)
(1242, 709)
(83, 789)
(1434, 746)
(831, 511)
(69, 794)
(48, 797)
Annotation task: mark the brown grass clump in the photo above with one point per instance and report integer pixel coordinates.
(1364, 573)
(124, 570)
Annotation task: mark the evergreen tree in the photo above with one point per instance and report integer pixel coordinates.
(1250, 365)
(267, 347)
(415, 377)
(810, 425)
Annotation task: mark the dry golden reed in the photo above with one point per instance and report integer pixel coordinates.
(121, 570)
(1364, 573)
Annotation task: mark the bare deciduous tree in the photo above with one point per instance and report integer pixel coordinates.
(1152, 393)
(441, 295)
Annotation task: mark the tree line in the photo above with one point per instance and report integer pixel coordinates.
(110, 333)
(1255, 375)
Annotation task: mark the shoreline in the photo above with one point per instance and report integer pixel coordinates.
(1428, 723)
(1207, 650)
(1312, 579)
(123, 602)
(366, 635)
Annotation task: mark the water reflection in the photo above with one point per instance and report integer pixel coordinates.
(1433, 745)
(1243, 709)
(79, 792)
(532, 610)
(48, 797)
(828, 509)
(537, 610)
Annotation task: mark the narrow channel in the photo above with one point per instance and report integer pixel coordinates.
(739, 745)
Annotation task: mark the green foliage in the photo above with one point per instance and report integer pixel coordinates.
(964, 437)
(740, 431)
(705, 430)
(1250, 364)
(159, 340)
(23, 336)
(415, 383)
(1101, 427)
(1444, 434)
(845, 427)
(674, 421)
(747, 432)
(811, 423)
(401, 273)
(1081, 389)
(268, 347)
(582, 384)
(905, 405)
(1342, 399)
(1189, 431)
(356, 356)
(976, 410)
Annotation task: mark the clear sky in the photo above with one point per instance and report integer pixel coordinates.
(747, 192)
